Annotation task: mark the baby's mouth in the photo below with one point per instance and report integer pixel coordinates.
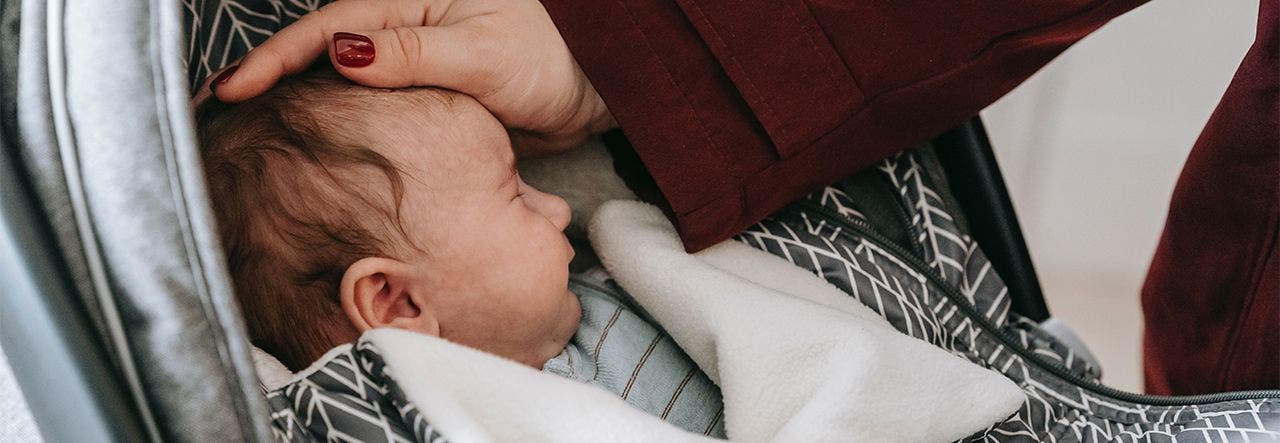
(568, 244)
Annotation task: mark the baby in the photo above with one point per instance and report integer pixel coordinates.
(344, 208)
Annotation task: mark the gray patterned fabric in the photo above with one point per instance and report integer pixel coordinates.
(352, 397)
(222, 31)
(940, 288)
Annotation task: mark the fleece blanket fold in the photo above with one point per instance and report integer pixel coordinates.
(796, 359)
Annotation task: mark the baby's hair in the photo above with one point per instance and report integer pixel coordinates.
(298, 200)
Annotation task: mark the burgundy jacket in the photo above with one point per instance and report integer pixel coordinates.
(738, 107)
(1211, 300)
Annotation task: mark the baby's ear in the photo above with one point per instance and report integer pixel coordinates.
(377, 292)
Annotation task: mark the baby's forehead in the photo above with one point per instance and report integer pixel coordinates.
(443, 134)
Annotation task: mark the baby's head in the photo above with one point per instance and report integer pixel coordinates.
(344, 208)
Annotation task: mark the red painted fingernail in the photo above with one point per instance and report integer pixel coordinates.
(353, 50)
(222, 78)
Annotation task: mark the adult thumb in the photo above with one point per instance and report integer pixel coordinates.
(452, 57)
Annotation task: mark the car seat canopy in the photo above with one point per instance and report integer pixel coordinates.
(108, 150)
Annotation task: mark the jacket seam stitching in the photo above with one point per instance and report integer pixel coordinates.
(870, 102)
(683, 97)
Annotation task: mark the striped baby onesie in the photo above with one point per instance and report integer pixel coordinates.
(616, 348)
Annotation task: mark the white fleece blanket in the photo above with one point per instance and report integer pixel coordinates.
(796, 359)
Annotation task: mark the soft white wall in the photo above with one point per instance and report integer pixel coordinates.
(1091, 147)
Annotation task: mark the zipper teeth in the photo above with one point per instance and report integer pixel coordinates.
(1012, 343)
(904, 215)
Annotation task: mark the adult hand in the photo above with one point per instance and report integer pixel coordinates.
(505, 53)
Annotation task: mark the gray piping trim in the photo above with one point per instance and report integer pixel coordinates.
(186, 179)
(65, 134)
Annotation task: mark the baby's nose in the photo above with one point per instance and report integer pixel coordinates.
(561, 213)
(551, 206)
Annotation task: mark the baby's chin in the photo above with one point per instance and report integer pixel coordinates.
(569, 315)
(572, 315)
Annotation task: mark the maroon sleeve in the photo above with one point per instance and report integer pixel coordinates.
(1212, 296)
(737, 108)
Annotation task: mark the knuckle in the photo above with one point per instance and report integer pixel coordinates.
(409, 45)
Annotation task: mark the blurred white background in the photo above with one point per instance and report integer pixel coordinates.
(1091, 147)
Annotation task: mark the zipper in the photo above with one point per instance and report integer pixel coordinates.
(886, 194)
(904, 215)
(869, 233)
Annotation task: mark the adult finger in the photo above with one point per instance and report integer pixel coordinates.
(457, 57)
(204, 92)
(296, 46)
